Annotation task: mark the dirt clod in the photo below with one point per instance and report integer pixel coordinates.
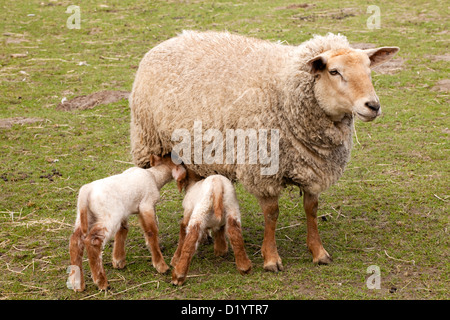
(51, 175)
(92, 100)
(9, 122)
(442, 86)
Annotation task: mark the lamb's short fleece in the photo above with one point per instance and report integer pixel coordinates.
(102, 212)
(210, 203)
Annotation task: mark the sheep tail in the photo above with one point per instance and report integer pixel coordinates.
(217, 195)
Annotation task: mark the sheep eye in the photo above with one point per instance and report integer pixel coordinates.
(334, 72)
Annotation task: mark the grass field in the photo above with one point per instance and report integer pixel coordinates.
(390, 209)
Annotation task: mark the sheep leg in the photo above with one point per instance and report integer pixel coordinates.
(76, 249)
(272, 261)
(147, 218)
(234, 233)
(191, 240)
(220, 243)
(177, 253)
(320, 255)
(94, 245)
(118, 259)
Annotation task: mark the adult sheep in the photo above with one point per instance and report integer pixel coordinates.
(308, 93)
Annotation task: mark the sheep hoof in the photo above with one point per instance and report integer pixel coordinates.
(324, 259)
(274, 266)
(243, 270)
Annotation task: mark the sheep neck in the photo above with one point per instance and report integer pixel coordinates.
(301, 115)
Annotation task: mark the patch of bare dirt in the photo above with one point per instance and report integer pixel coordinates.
(15, 40)
(94, 31)
(390, 67)
(334, 14)
(18, 55)
(92, 100)
(442, 86)
(343, 13)
(443, 57)
(296, 6)
(362, 45)
(14, 37)
(9, 122)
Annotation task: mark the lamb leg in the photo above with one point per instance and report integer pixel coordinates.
(147, 218)
(119, 254)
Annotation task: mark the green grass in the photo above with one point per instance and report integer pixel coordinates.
(390, 208)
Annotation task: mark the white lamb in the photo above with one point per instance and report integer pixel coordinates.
(210, 203)
(103, 210)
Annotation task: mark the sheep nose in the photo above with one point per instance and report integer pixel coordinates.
(373, 105)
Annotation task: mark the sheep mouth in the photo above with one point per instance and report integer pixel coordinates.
(366, 118)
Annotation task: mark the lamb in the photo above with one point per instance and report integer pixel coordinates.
(308, 94)
(103, 209)
(209, 203)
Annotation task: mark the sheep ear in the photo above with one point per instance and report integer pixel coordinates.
(155, 160)
(380, 55)
(316, 64)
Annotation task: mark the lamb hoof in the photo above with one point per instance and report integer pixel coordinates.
(274, 266)
(119, 264)
(79, 288)
(177, 280)
(220, 253)
(162, 268)
(103, 285)
(173, 262)
(75, 282)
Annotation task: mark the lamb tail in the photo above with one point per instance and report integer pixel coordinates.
(82, 210)
(217, 195)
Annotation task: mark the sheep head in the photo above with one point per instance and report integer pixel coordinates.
(343, 81)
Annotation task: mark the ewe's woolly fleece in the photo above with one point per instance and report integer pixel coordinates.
(229, 81)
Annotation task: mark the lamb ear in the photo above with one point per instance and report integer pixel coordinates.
(316, 64)
(380, 55)
(179, 174)
(180, 185)
(155, 160)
